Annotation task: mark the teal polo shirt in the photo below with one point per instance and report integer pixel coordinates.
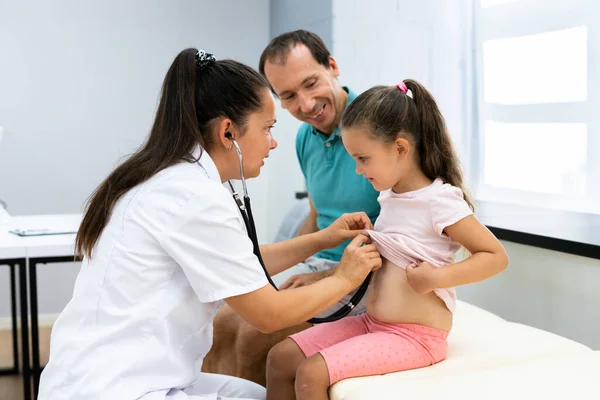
(333, 185)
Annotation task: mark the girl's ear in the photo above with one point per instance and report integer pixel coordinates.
(403, 147)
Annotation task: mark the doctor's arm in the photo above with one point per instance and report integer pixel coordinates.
(282, 255)
(270, 310)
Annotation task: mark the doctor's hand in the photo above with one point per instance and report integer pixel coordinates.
(359, 258)
(348, 226)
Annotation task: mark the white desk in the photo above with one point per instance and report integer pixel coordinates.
(28, 252)
(46, 245)
(11, 246)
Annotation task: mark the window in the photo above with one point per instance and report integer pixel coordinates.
(538, 94)
(552, 168)
(548, 67)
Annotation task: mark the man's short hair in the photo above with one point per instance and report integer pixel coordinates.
(279, 48)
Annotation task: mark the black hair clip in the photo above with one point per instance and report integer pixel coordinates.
(204, 59)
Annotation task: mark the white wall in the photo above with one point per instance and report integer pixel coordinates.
(312, 15)
(547, 289)
(79, 84)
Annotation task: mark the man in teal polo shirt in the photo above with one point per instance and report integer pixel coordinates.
(334, 189)
(303, 75)
(334, 186)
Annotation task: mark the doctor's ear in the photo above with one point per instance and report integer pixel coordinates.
(224, 133)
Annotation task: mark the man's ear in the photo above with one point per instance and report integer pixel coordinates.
(334, 67)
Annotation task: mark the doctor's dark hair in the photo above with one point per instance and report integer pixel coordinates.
(388, 113)
(195, 93)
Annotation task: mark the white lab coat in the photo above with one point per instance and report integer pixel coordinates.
(140, 320)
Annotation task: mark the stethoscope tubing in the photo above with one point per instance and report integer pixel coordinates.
(246, 211)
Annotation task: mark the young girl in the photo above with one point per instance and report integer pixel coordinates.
(398, 138)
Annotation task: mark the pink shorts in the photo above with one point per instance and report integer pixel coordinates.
(363, 346)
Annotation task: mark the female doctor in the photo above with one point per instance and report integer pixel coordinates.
(164, 246)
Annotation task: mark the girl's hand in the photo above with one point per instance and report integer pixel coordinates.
(422, 278)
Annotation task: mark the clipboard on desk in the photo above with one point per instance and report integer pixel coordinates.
(41, 232)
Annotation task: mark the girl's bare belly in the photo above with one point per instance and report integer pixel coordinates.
(392, 300)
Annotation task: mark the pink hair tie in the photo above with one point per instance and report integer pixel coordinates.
(402, 86)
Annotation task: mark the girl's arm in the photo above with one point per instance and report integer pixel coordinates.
(487, 259)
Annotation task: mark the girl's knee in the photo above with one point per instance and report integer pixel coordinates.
(284, 358)
(312, 373)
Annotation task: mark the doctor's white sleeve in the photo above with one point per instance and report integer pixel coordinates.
(212, 247)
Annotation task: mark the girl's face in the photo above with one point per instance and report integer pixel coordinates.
(383, 164)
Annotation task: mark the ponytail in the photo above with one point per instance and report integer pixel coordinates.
(436, 151)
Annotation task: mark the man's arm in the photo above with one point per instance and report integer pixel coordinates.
(310, 225)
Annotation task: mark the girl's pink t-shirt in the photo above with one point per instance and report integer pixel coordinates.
(410, 228)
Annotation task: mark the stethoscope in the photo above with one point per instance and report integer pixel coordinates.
(246, 211)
